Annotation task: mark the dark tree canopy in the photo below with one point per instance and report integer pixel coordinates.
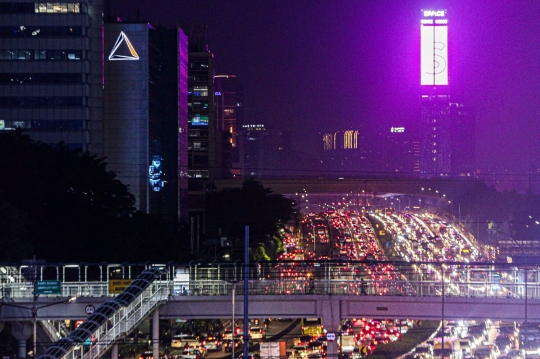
(63, 205)
(253, 205)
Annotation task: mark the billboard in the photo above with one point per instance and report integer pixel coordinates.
(199, 120)
(434, 48)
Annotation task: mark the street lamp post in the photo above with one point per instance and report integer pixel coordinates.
(525, 272)
(233, 319)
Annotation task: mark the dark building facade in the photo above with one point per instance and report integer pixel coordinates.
(51, 79)
(229, 119)
(400, 151)
(447, 146)
(146, 114)
(264, 152)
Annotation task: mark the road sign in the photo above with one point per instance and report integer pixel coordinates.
(48, 287)
(89, 309)
(117, 286)
(330, 337)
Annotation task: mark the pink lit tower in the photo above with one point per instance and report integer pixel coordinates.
(447, 127)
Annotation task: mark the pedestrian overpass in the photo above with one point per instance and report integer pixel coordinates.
(204, 291)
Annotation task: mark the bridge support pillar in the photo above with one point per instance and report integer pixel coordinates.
(155, 333)
(114, 351)
(21, 331)
(331, 317)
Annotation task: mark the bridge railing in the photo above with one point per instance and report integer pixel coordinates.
(293, 277)
(69, 289)
(385, 287)
(353, 287)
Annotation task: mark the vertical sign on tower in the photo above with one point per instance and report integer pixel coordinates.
(434, 48)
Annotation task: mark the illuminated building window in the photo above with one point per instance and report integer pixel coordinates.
(30, 31)
(200, 91)
(57, 7)
(45, 125)
(198, 174)
(24, 78)
(40, 55)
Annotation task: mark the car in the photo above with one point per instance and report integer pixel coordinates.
(424, 351)
(229, 344)
(257, 333)
(505, 342)
(150, 355)
(176, 341)
(213, 343)
(250, 356)
(485, 352)
(192, 353)
(227, 334)
(299, 352)
(304, 340)
(147, 355)
(465, 346)
(190, 341)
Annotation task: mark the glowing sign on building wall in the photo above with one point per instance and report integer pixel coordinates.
(434, 48)
(122, 49)
(198, 120)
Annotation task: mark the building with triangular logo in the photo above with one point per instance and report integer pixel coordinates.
(123, 49)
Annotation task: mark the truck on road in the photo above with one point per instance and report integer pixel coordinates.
(273, 350)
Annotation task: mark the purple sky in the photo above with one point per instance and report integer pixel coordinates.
(332, 64)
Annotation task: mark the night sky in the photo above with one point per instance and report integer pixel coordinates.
(314, 65)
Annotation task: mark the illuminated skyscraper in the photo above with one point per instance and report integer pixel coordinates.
(447, 126)
(146, 114)
(434, 48)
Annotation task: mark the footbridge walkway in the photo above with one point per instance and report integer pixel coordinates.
(329, 290)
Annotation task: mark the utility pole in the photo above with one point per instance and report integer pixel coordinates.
(246, 294)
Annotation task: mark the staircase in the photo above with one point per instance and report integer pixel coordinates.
(112, 320)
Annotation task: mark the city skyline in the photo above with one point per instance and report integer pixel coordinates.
(333, 67)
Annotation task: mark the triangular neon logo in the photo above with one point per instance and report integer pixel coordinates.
(126, 52)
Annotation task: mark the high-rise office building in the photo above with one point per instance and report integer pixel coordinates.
(264, 152)
(203, 157)
(229, 118)
(400, 151)
(118, 90)
(146, 114)
(447, 126)
(51, 79)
